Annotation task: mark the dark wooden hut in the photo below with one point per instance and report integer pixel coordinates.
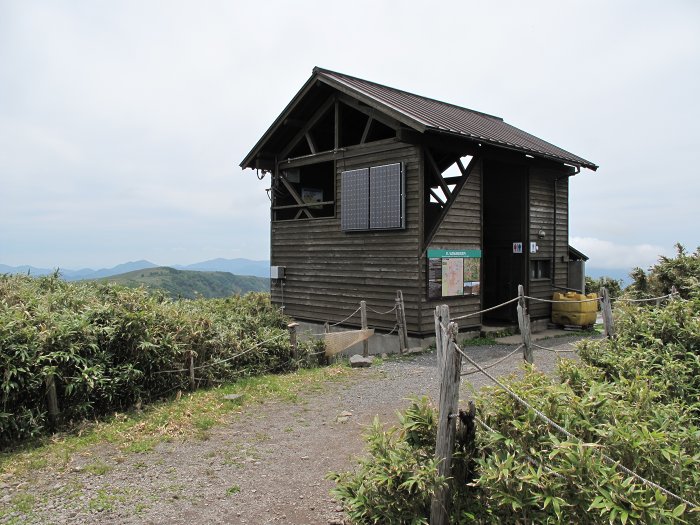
(376, 190)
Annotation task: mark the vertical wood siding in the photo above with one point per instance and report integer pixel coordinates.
(561, 274)
(541, 217)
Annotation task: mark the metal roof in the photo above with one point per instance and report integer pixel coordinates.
(424, 115)
(430, 114)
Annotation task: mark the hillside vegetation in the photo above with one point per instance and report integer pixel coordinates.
(634, 399)
(190, 284)
(108, 347)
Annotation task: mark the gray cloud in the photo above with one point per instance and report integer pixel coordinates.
(122, 124)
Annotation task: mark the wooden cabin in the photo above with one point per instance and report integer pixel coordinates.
(376, 190)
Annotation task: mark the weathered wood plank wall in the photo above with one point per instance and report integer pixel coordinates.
(330, 271)
(542, 218)
(460, 229)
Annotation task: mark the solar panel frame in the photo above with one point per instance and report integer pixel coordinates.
(386, 197)
(354, 206)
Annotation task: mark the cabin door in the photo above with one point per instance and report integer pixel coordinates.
(504, 223)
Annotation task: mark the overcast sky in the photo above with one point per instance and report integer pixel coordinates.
(122, 123)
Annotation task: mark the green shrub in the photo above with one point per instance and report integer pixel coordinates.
(527, 472)
(660, 345)
(681, 272)
(531, 471)
(614, 286)
(110, 347)
(395, 484)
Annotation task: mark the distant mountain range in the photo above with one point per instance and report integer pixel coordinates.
(190, 284)
(234, 266)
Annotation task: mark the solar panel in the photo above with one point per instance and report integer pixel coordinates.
(386, 197)
(354, 208)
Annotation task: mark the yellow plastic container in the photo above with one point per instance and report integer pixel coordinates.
(573, 312)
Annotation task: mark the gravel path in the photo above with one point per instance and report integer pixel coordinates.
(267, 467)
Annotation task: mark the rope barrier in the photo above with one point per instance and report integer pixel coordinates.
(567, 302)
(387, 334)
(475, 370)
(381, 313)
(484, 311)
(348, 317)
(554, 349)
(623, 300)
(561, 429)
(206, 365)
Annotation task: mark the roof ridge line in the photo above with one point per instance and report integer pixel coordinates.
(318, 69)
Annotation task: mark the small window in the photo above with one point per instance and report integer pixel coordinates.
(541, 269)
(307, 192)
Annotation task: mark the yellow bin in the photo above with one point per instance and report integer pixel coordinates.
(571, 311)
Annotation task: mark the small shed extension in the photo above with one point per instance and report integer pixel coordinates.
(375, 189)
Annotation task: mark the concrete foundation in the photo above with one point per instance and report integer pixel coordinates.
(379, 343)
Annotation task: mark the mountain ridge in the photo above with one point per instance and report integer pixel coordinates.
(237, 266)
(190, 284)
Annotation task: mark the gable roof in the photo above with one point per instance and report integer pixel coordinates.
(427, 115)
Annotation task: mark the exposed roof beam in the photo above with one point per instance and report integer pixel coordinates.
(437, 197)
(437, 174)
(366, 131)
(310, 141)
(319, 113)
(296, 197)
(461, 167)
(369, 111)
(463, 180)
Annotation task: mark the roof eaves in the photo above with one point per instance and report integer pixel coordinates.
(277, 122)
(513, 147)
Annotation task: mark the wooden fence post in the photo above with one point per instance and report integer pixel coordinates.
(402, 330)
(52, 399)
(442, 317)
(674, 292)
(606, 307)
(399, 329)
(524, 325)
(322, 360)
(404, 326)
(193, 384)
(363, 313)
(450, 367)
(292, 327)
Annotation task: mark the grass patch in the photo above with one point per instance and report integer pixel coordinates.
(98, 468)
(105, 500)
(233, 489)
(23, 502)
(187, 417)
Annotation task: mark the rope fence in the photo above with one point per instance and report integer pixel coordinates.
(491, 365)
(382, 313)
(347, 318)
(486, 309)
(214, 363)
(647, 300)
(564, 431)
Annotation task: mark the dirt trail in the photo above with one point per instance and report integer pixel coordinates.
(267, 466)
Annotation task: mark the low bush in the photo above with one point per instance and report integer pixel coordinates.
(633, 399)
(656, 344)
(527, 472)
(681, 272)
(110, 347)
